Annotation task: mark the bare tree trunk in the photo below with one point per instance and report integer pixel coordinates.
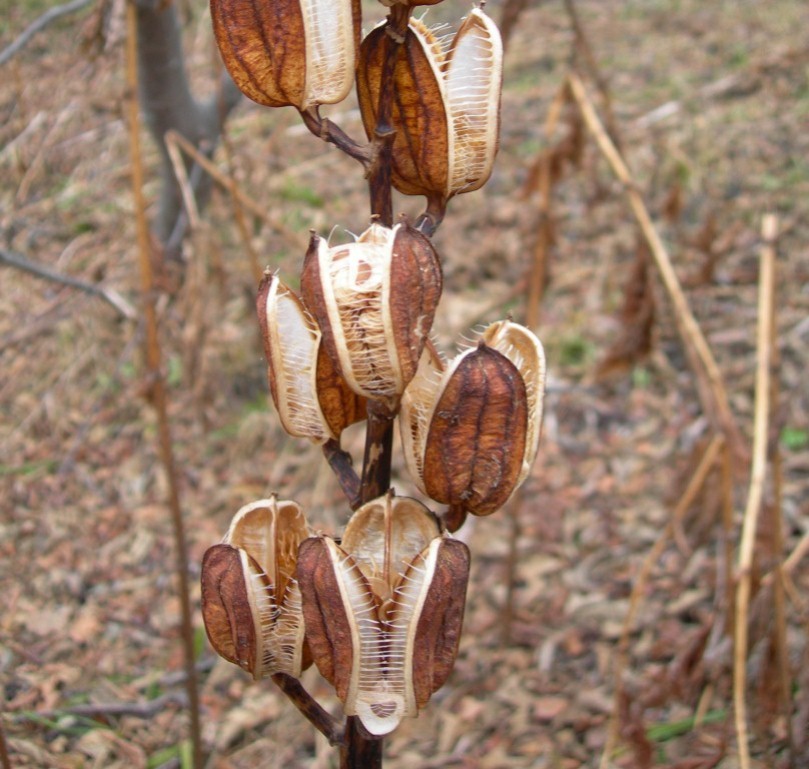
(168, 103)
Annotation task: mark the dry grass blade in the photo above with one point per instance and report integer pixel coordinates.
(158, 387)
(295, 241)
(712, 392)
(757, 478)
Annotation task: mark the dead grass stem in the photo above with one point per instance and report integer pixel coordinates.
(758, 472)
(157, 388)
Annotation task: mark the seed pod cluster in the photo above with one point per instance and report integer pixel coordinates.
(380, 609)
(384, 609)
(251, 601)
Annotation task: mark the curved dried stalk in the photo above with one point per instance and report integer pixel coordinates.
(157, 393)
(755, 496)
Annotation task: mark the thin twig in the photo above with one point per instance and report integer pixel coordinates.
(536, 278)
(51, 15)
(321, 719)
(145, 710)
(340, 463)
(696, 483)
(256, 269)
(181, 174)
(780, 583)
(158, 393)
(331, 133)
(109, 295)
(756, 492)
(586, 50)
(714, 396)
(233, 188)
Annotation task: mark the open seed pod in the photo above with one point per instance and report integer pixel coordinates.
(447, 107)
(384, 609)
(251, 602)
(289, 52)
(470, 434)
(312, 399)
(525, 351)
(374, 301)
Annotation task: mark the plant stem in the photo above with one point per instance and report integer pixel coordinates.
(157, 390)
(323, 721)
(379, 175)
(378, 452)
(359, 752)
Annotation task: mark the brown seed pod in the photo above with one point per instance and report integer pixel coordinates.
(312, 399)
(447, 107)
(420, 152)
(251, 600)
(525, 351)
(289, 52)
(474, 448)
(384, 609)
(470, 434)
(374, 301)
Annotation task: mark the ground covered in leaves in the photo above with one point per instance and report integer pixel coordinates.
(711, 103)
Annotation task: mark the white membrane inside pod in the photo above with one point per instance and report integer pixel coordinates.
(473, 82)
(406, 606)
(388, 533)
(295, 340)
(357, 294)
(417, 406)
(270, 531)
(330, 51)
(279, 628)
(376, 687)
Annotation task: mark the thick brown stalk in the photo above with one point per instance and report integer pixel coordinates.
(375, 479)
(379, 174)
(359, 752)
(157, 393)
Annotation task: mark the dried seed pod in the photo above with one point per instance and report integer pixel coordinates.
(525, 351)
(374, 301)
(447, 110)
(251, 601)
(289, 52)
(312, 399)
(384, 609)
(470, 434)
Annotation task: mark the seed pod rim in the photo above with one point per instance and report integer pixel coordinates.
(295, 394)
(518, 343)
